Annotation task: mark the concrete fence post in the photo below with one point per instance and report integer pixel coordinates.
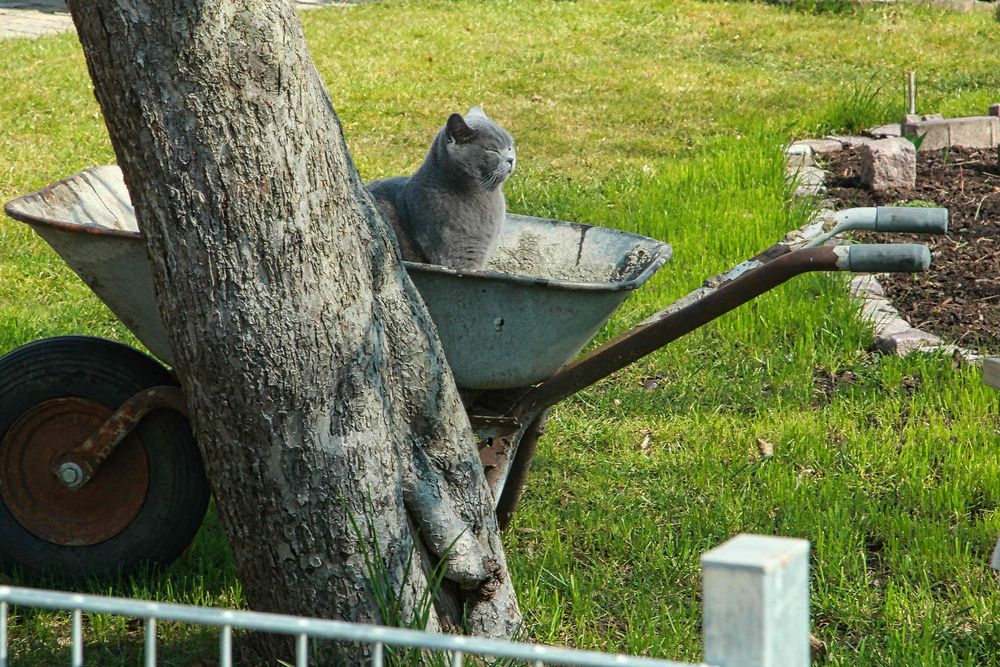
(756, 602)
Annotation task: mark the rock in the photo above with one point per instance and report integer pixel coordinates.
(970, 132)
(799, 154)
(994, 110)
(866, 285)
(883, 316)
(932, 116)
(819, 146)
(883, 131)
(887, 164)
(910, 118)
(851, 141)
(808, 180)
(822, 222)
(904, 342)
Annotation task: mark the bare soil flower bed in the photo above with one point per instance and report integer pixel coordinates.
(959, 298)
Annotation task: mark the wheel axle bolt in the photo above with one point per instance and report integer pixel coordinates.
(70, 474)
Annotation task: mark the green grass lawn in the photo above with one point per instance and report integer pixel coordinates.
(665, 118)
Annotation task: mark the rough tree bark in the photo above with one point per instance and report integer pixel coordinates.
(318, 388)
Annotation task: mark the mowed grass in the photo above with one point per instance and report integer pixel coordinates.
(665, 118)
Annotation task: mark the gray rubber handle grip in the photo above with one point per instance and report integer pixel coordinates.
(886, 258)
(911, 220)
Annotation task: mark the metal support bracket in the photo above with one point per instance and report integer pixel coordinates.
(81, 464)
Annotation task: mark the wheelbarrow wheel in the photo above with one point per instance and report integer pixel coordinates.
(144, 503)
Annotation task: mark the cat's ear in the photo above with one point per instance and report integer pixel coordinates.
(477, 111)
(457, 129)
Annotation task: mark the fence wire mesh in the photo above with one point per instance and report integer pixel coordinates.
(452, 650)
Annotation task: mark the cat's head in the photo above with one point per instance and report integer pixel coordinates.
(483, 149)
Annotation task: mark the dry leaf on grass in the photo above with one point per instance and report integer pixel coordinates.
(647, 439)
(765, 447)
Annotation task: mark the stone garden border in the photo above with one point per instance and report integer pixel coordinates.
(892, 333)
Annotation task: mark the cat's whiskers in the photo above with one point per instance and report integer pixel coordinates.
(492, 180)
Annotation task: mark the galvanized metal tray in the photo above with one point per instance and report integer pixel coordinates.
(549, 288)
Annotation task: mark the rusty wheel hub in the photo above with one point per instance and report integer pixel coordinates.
(43, 504)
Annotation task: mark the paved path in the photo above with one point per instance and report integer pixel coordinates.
(34, 18)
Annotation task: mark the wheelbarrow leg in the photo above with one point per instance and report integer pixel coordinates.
(79, 465)
(514, 486)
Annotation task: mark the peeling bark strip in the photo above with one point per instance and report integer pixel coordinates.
(313, 373)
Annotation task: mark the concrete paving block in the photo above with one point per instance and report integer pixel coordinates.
(822, 221)
(883, 131)
(968, 132)
(888, 164)
(809, 180)
(905, 342)
(799, 155)
(893, 334)
(820, 146)
(866, 285)
(883, 316)
(794, 162)
(851, 141)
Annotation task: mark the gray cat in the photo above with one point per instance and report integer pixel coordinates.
(451, 210)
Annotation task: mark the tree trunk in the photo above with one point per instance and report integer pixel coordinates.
(341, 458)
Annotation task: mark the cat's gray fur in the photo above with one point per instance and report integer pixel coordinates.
(451, 210)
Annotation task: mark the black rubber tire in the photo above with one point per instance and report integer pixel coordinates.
(175, 503)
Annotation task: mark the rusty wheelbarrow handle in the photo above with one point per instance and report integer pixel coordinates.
(672, 323)
(881, 219)
(895, 219)
(718, 296)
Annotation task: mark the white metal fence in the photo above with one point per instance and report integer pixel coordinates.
(756, 615)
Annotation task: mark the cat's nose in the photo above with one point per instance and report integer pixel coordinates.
(510, 161)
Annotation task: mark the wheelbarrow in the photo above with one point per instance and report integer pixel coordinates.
(99, 471)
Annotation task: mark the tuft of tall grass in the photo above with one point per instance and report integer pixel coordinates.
(859, 105)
